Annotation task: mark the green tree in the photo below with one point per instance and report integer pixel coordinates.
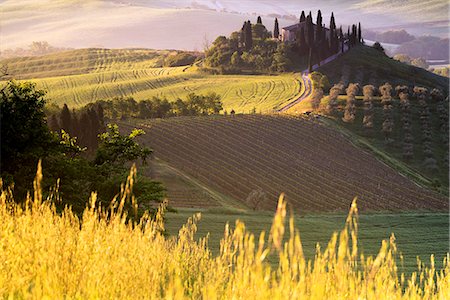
(115, 148)
(276, 30)
(25, 136)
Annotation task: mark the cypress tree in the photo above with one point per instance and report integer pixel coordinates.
(53, 123)
(276, 30)
(302, 42)
(242, 38)
(248, 36)
(319, 26)
(302, 17)
(359, 33)
(65, 119)
(332, 22)
(341, 38)
(259, 20)
(309, 30)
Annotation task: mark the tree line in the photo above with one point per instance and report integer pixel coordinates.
(26, 139)
(88, 122)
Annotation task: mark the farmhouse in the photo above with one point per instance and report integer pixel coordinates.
(291, 33)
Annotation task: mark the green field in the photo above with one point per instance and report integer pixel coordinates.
(82, 76)
(417, 234)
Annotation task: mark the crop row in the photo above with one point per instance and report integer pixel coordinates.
(316, 167)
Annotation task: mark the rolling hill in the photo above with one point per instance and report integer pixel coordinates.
(317, 168)
(365, 65)
(82, 76)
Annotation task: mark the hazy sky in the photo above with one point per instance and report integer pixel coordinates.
(184, 24)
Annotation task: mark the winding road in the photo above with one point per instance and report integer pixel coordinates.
(307, 91)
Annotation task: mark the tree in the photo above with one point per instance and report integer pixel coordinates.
(377, 46)
(24, 133)
(259, 20)
(302, 17)
(236, 59)
(319, 26)
(276, 30)
(386, 101)
(281, 62)
(359, 33)
(115, 148)
(403, 58)
(66, 119)
(420, 62)
(368, 91)
(248, 36)
(256, 198)
(332, 99)
(349, 113)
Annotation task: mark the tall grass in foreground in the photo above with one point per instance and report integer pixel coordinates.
(44, 254)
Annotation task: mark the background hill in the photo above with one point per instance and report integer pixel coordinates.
(83, 76)
(317, 167)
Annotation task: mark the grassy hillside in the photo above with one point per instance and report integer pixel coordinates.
(83, 61)
(316, 167)
(366, 65)
(82, 76)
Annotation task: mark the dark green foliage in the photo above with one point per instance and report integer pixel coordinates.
(248, 36)
(116, 149)
(125, 108)
(276, 30)
(180, 59)
(259, 20)
(302, 17)
(377, 46)
(24, 133)
(26, 139)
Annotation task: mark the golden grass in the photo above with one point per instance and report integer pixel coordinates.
(44, 254)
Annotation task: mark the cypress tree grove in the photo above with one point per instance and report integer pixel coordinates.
(276, 30)
(368, 91)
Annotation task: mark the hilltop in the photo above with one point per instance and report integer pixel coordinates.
(317, 168)
(366, 65)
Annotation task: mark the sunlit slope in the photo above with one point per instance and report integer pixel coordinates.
(317, 168)
(239, 92)
(82, 61)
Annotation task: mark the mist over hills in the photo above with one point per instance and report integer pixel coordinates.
(186, 24)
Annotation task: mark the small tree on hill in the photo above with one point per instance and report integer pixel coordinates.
(386, 100)
(350, 110)
(256, 198)
(368, 91)
(332, 102)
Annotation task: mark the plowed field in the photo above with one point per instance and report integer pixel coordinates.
(317, 168)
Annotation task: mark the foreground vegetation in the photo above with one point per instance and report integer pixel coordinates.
(47, 255)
